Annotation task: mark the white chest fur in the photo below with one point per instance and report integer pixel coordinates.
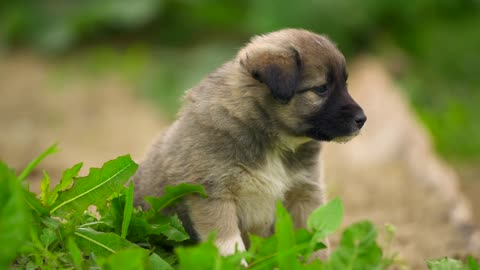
(257, 198)
(271, 180)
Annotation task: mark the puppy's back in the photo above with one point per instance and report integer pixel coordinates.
(149, 170)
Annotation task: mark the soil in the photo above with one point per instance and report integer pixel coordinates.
(470, 175)
(97, 119)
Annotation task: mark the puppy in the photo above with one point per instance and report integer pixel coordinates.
(251, 133)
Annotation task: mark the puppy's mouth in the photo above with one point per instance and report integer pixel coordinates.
(336, 133)
(338, 127)
(345, 139)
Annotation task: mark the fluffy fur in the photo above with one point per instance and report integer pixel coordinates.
(250, 133)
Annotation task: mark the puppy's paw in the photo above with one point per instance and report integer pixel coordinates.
(227, 246)
(244, 263)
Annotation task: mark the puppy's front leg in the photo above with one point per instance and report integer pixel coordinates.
(301, 201)
(219, 215)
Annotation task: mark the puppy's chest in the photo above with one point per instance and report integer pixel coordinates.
(259, 193)
(272, 179)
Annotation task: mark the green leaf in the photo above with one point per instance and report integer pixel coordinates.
(100, 243)
(445, 264)
(173, 194)
(34, 203)
(52, 149)
(114, 213)
(14, 216)
(155, 262)
(75, 253)
(283, 248)
(128, 210)
(128, 259)
(173, 230)
(105, 244)
(203, 256)
(287, 257)
(48, 236)
(95, 188)
(31, 266)
(171, 227)
(45, 188)
(315, 265)
(472, 264)
(358, 249)
(64, 184)
(305, 238)
(139, 229)
(263, 252)
(326, 219)
(166, 255)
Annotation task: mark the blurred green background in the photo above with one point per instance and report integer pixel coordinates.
(150, 41)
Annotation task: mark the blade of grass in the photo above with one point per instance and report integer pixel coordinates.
(14, 216)
(128, 210)
(75, 253)
(285, 239)
(52, 149)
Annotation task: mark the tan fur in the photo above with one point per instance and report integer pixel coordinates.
(245, 148)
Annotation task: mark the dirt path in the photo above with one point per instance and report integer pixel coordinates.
(96, 120)
(470, 175)
(391, 174)
(92, 119)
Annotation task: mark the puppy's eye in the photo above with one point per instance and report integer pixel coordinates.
(320, 90)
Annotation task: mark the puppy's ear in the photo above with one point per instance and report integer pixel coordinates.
(279, 69)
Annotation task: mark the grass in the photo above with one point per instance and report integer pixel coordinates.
(57, 229)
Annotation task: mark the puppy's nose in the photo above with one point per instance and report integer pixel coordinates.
(360, 119)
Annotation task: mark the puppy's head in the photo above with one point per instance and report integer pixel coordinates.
(303, 79)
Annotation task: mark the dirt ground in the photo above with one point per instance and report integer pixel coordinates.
(470, 175)
(97, 119)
